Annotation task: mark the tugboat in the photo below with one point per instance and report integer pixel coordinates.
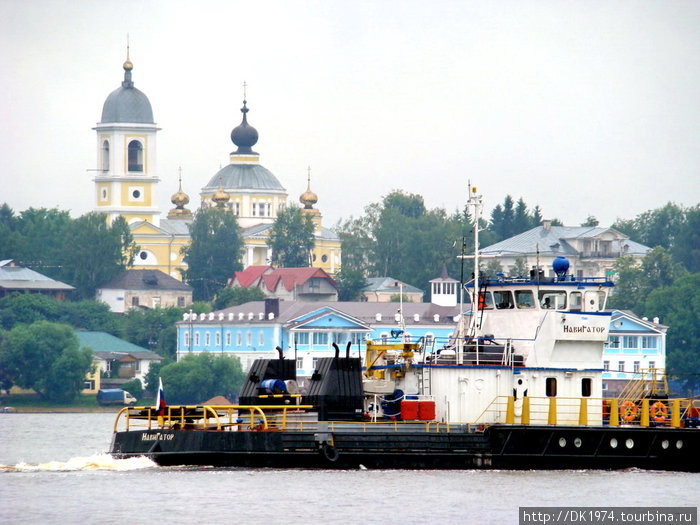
(517, 386)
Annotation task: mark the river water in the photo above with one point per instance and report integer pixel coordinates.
(54, 469)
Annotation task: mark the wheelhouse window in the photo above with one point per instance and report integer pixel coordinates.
(575, 301)
(524, 299)
(503, 299)
(485, 301)
(551, 387)
(135, 156)
(552, 299)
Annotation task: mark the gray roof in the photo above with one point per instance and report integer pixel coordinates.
(127, 104)
(388, 284)
(363, 311)
(244, 177)
(146, 280)
(19, 278)
(553, 241)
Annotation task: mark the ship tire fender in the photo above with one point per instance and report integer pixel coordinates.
(628, 410)
(329, 452)
(659, 412)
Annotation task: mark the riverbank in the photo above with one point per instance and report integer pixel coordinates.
(55, 410)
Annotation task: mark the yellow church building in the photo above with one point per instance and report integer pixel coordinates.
(127, 183)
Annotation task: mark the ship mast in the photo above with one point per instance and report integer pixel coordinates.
(475, 201)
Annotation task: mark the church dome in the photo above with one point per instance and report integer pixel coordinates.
(244, 177)
(127, 104)
(244, 135)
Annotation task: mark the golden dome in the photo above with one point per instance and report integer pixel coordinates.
(221, 197)
(179, 199)
(308, 198)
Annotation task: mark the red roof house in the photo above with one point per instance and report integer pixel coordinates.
(291, 284)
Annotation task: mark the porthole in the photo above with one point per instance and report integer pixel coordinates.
(629, 443)
(679, 444)
(324, 258)
(578, 442)
(665, 444)
(562, 442)
(613, 443)
(143, 256)
(136, 194)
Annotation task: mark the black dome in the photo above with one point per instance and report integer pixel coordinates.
(244, 135)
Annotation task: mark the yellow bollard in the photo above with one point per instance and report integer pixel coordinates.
(552, 416)
(676, 413)
(525, 418)
(644, 418)
(614, 413)
(510, 411)
(583, 412)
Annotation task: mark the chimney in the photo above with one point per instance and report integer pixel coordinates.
(272, 306)
(547, 224)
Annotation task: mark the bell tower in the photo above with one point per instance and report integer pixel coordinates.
(126, 155)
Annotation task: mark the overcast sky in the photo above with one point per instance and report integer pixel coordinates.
(588, 107)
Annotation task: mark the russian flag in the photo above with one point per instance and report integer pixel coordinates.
(161, 405)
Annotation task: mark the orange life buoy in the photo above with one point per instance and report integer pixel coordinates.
(628, 410)
(482, 300)
(659, 412)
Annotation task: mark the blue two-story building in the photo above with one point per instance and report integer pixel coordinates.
(636, 348)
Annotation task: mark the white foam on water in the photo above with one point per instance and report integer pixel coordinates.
(94, 462)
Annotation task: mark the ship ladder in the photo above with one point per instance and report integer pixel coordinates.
(425, 376)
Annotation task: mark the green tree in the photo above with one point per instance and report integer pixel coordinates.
(199, 377)
(635, 281)
(153, 329)
(678, 306)
(590, 221)
(350, 284)
(23, 308)
(214, 253)
(291, 238)
(235, 296)
(9, 236)
(94, 252)
(43, 234)
(134, 387)
(46, 357)
(686, 245)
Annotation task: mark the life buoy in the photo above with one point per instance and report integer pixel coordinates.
(628, 410)
(482, 300)
(659, 412)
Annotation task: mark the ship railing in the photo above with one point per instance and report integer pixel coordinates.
(650, 383)
(589, 411)
(209, 417)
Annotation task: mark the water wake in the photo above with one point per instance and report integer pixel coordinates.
(94, 462)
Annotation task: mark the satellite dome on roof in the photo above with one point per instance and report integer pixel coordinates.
(244, 135)
(127, 104)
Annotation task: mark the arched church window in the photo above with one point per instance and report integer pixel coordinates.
(105, 155)
(135, 156)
